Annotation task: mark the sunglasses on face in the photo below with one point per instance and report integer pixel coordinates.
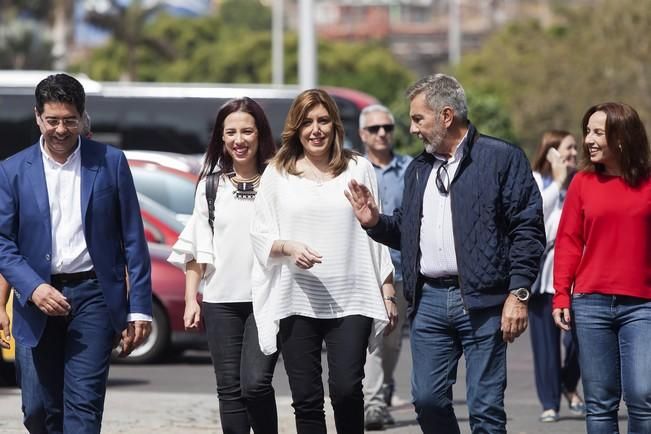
(388, 128)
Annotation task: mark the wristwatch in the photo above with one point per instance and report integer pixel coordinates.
(391, 298)
(521, 294)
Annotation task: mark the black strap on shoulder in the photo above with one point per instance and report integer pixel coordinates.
(212, 181)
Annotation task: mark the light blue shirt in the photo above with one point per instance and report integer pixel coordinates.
(391, 182)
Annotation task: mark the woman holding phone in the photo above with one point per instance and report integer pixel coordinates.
(553, 168)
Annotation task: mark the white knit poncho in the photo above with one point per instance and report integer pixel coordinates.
(347, 282)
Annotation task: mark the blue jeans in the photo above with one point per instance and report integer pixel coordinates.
(72, 362)
(243, 373)
(613, 334)
(27, 379)
(441, 330)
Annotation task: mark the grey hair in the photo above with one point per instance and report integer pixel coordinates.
(440, 91)
(85, 124)
(372, 109)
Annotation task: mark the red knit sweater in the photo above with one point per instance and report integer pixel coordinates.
(603, 243)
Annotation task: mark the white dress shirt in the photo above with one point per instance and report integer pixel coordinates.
(69, 249)
(438, 254)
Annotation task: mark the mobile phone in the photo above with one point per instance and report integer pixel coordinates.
(553, 155)
(554, 152)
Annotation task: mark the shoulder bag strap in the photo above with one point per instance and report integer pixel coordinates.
(212, 181)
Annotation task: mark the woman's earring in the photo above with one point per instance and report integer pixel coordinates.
(620, 147)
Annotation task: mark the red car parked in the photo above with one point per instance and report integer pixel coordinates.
(174, 187)
(168, 333)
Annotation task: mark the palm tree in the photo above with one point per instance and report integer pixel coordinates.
(62, 20)
(127, 25)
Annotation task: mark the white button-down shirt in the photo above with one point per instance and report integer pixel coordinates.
(438, 254)
(69, 249)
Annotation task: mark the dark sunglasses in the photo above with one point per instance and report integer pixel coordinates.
(373, 129)
(443, 179)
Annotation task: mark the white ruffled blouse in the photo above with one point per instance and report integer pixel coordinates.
(347, 282)
(227, 255)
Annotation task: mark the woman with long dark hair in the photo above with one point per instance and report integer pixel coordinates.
(553, 168)
(317, 276)
(602, 267)
(215, 251)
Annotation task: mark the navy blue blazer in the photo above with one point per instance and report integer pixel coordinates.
(112, 227)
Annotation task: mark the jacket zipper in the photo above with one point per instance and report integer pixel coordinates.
(456, 255)
(456, 245)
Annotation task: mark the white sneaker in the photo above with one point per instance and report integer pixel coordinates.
(550, 415)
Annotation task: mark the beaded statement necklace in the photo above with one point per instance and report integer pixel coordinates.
(244, 188)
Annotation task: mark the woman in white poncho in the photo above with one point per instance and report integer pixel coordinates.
(317, 276)
(215, 250)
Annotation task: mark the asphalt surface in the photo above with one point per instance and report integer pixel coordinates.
(177, 397)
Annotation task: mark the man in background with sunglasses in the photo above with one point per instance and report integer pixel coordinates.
(69, 225)
(376, 125)
(471, 234)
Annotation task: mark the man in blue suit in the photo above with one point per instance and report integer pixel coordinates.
(69, 229)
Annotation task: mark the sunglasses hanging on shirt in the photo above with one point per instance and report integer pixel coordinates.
(443, 179)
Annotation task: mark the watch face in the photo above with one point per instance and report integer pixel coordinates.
(522, 294)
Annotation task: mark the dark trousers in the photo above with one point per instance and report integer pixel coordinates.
(552, 376)
(346, 340)
(243, 372)
(71, 361)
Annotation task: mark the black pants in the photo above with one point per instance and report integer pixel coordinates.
(243, 372)
(552, 376)
(346, 339)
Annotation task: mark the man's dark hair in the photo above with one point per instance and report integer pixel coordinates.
(60, 88)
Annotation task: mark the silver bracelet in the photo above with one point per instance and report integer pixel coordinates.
(391, 298)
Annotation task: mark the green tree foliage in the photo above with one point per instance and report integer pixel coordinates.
(546, 77)
(248, 15)
(127, 22)
(235, 47)
(23, 43)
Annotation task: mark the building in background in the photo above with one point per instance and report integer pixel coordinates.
(417, 31)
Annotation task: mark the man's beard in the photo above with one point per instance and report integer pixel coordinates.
(438, 135)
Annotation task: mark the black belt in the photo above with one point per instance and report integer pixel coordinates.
(67, 278)
(442, 281)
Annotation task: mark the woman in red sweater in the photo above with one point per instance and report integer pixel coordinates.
(602, 268)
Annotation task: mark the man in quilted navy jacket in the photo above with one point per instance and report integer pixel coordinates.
(471, 233)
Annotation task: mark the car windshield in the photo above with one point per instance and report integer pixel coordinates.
(174, 192)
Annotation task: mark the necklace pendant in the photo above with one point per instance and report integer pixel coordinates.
(247, 195)
(244, 188)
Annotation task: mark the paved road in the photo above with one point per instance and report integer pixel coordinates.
(176, 397)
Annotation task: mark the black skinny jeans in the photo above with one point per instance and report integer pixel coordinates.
(243, 372)
(346, 339)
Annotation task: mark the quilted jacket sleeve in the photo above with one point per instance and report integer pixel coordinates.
(524, 219)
